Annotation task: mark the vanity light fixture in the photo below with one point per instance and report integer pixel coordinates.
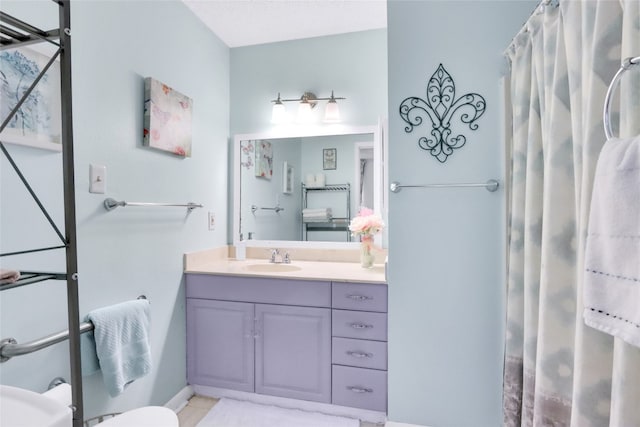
(306, 104)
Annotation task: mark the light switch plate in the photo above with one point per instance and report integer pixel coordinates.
(97, 179)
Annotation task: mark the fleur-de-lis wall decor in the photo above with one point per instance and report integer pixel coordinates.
(440, 107)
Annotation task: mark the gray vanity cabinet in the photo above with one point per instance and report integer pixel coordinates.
(300, 339)
(220, 344)
(236, 341)
(293, 352)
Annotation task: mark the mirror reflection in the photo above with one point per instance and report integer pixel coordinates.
(303, 188)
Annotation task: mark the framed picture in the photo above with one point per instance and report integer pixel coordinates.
(264, 159)
(38, 121)
(329, 158)
(287, 178)
(167, 118)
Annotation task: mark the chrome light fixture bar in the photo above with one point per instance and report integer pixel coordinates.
(307, 102)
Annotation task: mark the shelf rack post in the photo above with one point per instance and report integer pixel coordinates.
(70, 213)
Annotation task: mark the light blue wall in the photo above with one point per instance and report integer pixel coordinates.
(354, 65)
(446, 246)
(130, 251)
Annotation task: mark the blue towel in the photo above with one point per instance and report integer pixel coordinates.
(122, 343)
(88, 357)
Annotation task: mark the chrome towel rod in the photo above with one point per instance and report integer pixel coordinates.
(491, 185)
(9, 347)
(110, 204)
(606, 114)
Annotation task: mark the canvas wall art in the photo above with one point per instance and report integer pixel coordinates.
(38, 122)
(167, 118)
(264, 159)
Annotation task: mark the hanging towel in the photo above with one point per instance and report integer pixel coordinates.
(612, 257)
(122, 343)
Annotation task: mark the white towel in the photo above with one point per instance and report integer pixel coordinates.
(612, 257)
(316, 212)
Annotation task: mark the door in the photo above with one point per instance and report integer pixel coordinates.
(293, 352)
(220, 344)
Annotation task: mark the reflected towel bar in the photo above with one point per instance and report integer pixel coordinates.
(254, 208)
(491, 185)
(110, 204)
(9, 347)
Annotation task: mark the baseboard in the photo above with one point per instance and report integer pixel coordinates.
(325, 408)
(180, 400)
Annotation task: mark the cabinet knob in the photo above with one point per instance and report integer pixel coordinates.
(360, 354)
(357, 297)
(359, 389)
(357, 325)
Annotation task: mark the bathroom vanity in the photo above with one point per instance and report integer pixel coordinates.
(284, 334)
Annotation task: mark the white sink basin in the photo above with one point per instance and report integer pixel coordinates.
(271, 268)
(24, 408)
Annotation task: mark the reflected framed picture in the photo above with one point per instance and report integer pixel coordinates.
(264, 159)
(287, 178)
(329, 158)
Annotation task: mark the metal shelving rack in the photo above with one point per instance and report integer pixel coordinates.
(15, 33)
(334, 224)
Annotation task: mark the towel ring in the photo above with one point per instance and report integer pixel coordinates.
(626, 64)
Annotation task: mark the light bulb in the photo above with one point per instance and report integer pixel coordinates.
(304, 112)
(332, 112)
(278, 114)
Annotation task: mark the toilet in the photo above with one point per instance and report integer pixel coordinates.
(148, 416)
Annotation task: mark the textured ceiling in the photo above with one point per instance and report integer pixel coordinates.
(249, 22)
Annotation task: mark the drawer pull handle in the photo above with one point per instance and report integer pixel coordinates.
(360, 389)
(361, 326)
(360, 354)
(356, 297)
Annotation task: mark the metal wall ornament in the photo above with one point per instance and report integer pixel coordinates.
(440, 108)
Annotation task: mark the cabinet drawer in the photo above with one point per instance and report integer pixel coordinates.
(359, 388)
(359, 324)
(359, 296)
(259, 290)
(359, 353)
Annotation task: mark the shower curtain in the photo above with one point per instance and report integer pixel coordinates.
(559, 372)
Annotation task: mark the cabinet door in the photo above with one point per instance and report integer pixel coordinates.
(220, 344)
(293, 352)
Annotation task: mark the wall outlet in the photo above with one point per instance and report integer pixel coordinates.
(212, 221)
(97, 179)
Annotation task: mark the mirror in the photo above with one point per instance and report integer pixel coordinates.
(301, 188)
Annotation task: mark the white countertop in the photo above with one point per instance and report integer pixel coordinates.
(308, 270)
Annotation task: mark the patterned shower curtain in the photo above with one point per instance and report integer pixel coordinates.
(559, 372)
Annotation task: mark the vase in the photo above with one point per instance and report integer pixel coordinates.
(366, 255)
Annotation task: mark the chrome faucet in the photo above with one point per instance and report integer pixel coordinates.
(275, 256)
(278, 258)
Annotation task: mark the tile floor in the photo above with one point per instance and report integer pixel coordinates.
(199, 406)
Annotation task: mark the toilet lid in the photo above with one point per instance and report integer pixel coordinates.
(149, 416)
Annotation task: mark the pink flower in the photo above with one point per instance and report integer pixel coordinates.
(366, 223)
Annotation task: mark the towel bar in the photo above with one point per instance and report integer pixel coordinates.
(110, 204)
(9, 347)
(491, 185)
(626, 64)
